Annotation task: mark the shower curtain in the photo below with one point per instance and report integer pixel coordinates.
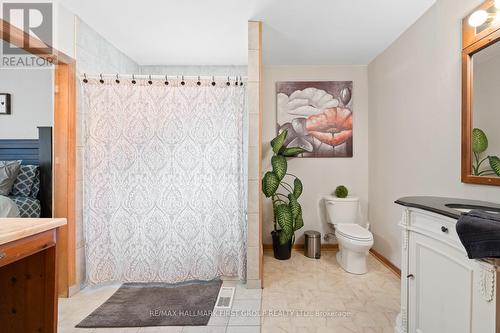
(163, 181)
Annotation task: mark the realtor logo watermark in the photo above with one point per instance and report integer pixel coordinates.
(36, 21)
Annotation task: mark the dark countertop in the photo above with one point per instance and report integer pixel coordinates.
(438, 205)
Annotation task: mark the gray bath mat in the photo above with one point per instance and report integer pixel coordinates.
(156, 304)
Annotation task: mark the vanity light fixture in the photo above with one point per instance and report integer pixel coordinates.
(478, 18)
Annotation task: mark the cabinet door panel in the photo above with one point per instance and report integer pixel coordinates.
(441, 287)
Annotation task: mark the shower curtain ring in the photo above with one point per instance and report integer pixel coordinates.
(117, 78)
(150, 81)
(236, 80)
(133, 79)
(241, 80)
(85, 78)
(166, 80)
(228, 83)
(199, 82)
(101, 80)
(182, 82)
(213, 81)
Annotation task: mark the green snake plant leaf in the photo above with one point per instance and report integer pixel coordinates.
(297, 188)
(279, 166)
(292, 151)
(479, 141)
(299, 222)
(270, 184)
(278, 141)
(284, 218)
(295, 207)
(495, 164)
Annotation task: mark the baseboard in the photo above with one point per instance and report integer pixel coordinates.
(324, 247)
(74, 289)
(393, 268)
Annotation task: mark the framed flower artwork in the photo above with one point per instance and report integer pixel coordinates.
(318, 117)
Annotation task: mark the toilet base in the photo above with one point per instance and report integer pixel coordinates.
(352, 262)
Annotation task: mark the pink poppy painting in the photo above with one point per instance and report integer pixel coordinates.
(318, 117)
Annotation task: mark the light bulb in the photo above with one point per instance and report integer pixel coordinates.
(478, 17)
(497, 4)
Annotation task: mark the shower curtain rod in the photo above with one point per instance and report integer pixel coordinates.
(237, 80)
(163, 77)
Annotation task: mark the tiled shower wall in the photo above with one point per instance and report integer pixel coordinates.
(254, 106)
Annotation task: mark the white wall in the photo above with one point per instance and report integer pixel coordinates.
(320, 176)
(64, 26)
(486, 99)
(31, 101)
(415, 121)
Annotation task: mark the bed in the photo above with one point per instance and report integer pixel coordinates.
(33, 199)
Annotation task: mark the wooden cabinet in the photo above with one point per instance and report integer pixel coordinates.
(441, 289)
(28, 289)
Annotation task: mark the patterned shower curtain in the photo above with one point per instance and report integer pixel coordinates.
(163, 181)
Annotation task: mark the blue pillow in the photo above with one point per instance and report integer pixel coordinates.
(24, 181)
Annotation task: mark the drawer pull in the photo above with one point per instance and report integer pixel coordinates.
(2, 255)
(410, 276)
(444, 229)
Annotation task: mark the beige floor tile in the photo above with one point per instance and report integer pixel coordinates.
(117, 330)
(161, 329)
(350, 303)
(243, 329)
(219, 317)
(204, 329)
(243, 293)
(245, 312)
(64, 329)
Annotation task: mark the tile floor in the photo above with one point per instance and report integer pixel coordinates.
(348, 303)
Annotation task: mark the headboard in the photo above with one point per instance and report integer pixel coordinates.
(35, 152)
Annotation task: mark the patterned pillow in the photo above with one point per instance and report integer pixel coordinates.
(28, 207)
(8, 174)
(24, 181)
(36, 185)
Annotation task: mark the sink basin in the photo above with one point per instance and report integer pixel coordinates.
(467, 208)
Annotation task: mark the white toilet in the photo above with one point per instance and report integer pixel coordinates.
(353, 236)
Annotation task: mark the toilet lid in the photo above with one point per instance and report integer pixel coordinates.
(353, 231)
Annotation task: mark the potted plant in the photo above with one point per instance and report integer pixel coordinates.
(479, 146)
(286, 208)
(341, 192)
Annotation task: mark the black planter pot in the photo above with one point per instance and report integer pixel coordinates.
(281, 251)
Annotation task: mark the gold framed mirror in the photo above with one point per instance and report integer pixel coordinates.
(481, 95)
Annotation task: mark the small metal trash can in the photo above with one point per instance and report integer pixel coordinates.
(312, 245)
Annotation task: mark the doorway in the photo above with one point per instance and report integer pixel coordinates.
(64, 142)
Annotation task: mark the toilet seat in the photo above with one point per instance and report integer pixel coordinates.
(354, 231)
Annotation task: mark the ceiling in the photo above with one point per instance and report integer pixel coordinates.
(214, 32)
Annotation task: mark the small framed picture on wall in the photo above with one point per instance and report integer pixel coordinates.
(4, 103)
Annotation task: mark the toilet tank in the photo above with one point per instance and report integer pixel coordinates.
(342, 210)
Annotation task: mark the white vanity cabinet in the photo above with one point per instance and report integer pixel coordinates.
(442, 291)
